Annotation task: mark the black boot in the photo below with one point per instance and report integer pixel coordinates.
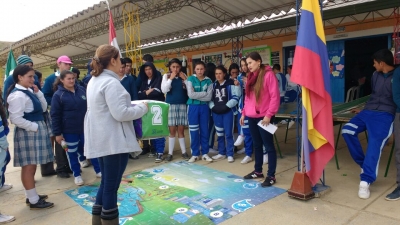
(96, 212)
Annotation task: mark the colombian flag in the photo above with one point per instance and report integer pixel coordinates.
(311, 71)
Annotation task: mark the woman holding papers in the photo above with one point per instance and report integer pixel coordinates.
(262, 101)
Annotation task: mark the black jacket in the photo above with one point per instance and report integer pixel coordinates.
(155, 83)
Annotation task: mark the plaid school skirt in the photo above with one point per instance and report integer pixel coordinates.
(32, 148)
(177, 115)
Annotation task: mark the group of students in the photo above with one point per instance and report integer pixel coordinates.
(87, 116)
(72, 126)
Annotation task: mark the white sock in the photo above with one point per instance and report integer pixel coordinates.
(171, 145)
(182, 144)
(32, 195)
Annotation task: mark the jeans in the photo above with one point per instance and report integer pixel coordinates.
(262, 137)
(112, 168)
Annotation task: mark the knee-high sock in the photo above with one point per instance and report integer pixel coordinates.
(182, 144)
(171, 145)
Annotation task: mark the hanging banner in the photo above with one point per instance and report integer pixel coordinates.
(265, 53)
(161, 65)
(216, 59)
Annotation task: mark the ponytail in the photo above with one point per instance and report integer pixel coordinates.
(102, 58)
(62, 76)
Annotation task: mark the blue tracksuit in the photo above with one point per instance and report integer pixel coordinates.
(377, 118)
(67, 112)
(199, 93)
(244, 130)
(223, 105)
(4, 153)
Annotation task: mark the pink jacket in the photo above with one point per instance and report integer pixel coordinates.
(269, 101)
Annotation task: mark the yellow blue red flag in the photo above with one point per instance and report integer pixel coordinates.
(311, 71)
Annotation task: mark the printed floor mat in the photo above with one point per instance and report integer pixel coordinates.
(180, 193)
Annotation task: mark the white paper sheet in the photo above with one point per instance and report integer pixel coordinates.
(270, 128)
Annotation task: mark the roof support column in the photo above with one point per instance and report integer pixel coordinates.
(237, 48)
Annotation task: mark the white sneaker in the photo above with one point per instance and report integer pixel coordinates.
(193, 159)
(231, 159)
(246, 159)
(219, 156)
(283, 122)
(206, 158)
(265, 160)
(239, 140)
(98, 175)
(241, 151)
(6, 187)
(212, 151)
(363, 191)
(291, 123)
(85, 163)
(78, 181)
(6, 219)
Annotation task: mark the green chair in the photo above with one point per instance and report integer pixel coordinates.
(390, 159)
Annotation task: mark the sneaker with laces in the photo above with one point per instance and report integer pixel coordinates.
(41, 204)
(246, 159)
(241, 151)
(206, 158)
(169, 158)
(363, 191)
(283, 122)
(6, 187)
(254, 175)
(265, 159)
(395, 195)
(185, 156)
(6, 218)
(78, 181)
(291, 123)
(159, 157)
(98, 175)
(231, 159)
(212, 151)
(85, 163)
(269, 181)
(219, 156)
(193, 159)
(239, 140)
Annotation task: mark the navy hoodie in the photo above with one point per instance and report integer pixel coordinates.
(68, 110)
(155, 83)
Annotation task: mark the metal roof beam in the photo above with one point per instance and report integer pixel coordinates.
(184, 34)
(277, 24)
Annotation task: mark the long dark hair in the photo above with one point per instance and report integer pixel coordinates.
(257, 87)
(20, 70)
(63, 74)
(210, 71)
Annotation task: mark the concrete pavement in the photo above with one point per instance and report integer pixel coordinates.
(340, 206)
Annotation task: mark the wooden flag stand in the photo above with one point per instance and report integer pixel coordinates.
(301, 185)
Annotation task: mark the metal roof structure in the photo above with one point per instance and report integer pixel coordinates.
(176, 25)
